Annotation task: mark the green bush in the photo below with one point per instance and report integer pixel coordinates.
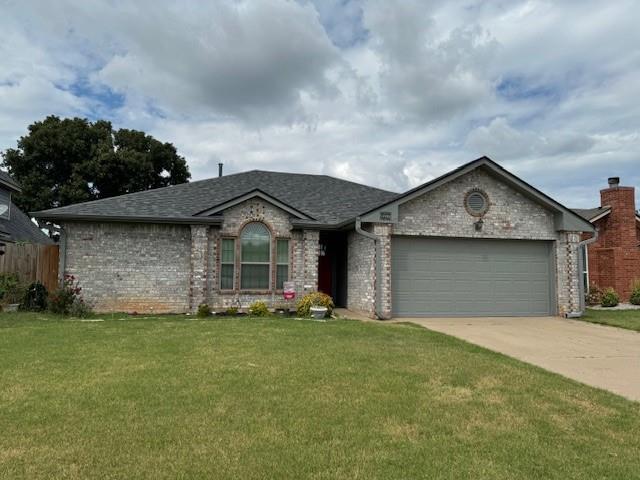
(80, 309)
(594, 297)
(35, 298)
(258, 309)
(635, 293)
(12, 290)
(314, 299)
(63, 298)
(204, 310)
(232, 311)
(610, 298)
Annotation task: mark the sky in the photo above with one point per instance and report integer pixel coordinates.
(391, 94)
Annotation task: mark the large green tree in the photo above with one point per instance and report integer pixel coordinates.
(64, 161)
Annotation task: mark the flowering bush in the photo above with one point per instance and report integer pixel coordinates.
(314, 299)
(63, 298)
(80, 309)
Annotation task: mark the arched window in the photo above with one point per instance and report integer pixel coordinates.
(255, 257)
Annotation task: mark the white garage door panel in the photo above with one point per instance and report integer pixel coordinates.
(470, 277)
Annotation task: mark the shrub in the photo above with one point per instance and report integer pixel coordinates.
(610, 298)
(258, 309)
(80, 309)
(204, 310)
(232, 311)
(35, 298)
(635, 293)
(594, 297)
(12, 290)
(314, 299)
(62, 299)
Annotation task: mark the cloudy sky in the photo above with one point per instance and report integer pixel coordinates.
(386, 93)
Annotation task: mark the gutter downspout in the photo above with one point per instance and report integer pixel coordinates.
(377, 284)
(62, 261)
(582, 288)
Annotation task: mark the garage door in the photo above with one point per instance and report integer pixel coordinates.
(471, 277)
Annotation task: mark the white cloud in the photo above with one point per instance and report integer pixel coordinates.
(390, 94)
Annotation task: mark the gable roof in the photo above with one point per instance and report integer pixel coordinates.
(322, 199)
(593, 214)
(20, 228)
(565, 219)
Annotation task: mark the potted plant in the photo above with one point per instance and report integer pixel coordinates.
(318, 311)
(316, 304)
(11, 291)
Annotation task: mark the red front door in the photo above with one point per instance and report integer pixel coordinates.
(324, 274)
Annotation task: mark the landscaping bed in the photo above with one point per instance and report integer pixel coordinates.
(182, 397)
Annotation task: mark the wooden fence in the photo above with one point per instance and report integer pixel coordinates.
(31, 262)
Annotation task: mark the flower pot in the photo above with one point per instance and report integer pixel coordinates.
(12, 307)
(318, 312)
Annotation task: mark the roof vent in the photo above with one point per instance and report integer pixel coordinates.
(613, 182)
(220, 169)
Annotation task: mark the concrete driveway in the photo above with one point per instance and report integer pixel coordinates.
(604, 357)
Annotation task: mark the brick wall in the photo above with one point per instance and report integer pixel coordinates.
(131, 267)
(441, 212)
(360, 273)
(614, 258)
(199, 275)
(383, 279)
(568, 272)
(174, 268)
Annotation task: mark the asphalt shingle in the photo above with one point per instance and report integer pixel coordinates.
(589, 213)
(325, 199)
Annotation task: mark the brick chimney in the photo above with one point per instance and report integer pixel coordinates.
(622, 218)
(620, 255)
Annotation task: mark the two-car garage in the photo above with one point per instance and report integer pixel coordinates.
(433, 276)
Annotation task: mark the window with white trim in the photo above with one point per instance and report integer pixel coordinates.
(227, 263)
(255, 257)
(282, 262)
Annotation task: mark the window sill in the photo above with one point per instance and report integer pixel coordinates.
(248, 292)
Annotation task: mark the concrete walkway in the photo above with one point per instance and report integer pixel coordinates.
(604, 357)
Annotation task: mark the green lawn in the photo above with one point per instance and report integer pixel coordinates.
(171, 397)
(629, 319)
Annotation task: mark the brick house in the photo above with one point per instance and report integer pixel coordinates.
(613, 260)
(476, 241)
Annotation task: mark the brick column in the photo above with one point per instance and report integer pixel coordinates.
(383, 273)
(568, 272)
(311, 251)
(199, 266)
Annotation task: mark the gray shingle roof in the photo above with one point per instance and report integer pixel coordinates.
(20, 228)
(8, 180)
(589, 213)
(327, 200)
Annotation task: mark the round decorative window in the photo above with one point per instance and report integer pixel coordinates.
(476, 202)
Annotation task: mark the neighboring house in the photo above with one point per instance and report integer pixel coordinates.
(476, 241)
(613, 260)
(15, 226)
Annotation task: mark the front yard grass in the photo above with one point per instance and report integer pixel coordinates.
(176, 397)
(629, 319)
